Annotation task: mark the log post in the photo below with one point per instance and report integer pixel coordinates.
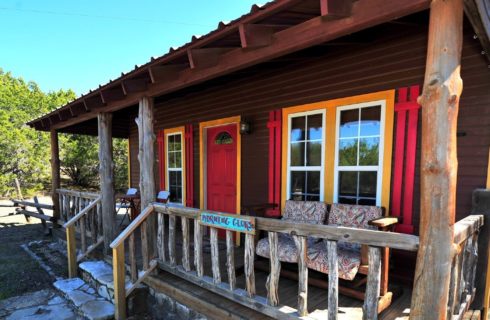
(440, 103)
(55, 174)
(146, 157)
(106, 174)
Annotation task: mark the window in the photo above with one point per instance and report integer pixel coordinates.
(358, 160)
(223, 138)
(174, 164)
(305, 156)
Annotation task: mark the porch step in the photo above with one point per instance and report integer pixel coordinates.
(86, 301)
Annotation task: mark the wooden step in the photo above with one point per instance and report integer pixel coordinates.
(199, 299)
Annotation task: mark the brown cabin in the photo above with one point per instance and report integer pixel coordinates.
(341, 102)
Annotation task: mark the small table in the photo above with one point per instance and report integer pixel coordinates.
(134, 203)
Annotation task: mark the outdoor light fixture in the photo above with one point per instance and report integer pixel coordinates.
(244, 127)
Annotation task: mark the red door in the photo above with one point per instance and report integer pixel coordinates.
(221, 164)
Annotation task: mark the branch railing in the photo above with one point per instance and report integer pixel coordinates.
(82, 213)
(123, 289)
(463, 269)
(193, 269)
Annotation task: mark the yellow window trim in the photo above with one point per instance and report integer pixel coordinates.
(330, 107)
(166, 133)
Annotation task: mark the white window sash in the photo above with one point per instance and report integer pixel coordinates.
(176, 169)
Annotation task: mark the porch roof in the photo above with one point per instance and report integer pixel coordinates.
(275, 29)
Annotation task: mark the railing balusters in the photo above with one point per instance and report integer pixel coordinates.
(198, 263)
(453, 285)
(161, 236)
(333, 280)
(186, 263)
(100, 226)
(215, 255)
(300, 243)
(66, 207)
(171, 240)
(93, 231)
(132, 259)
(370, 306)
(249, 264)
(230, 259)
(275, 271)
(144, 244)
(83, 235)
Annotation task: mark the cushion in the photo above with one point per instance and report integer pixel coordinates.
(349, 260)
(314, 212)
(286, 248)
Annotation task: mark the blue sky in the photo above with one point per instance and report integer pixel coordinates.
(81, 44)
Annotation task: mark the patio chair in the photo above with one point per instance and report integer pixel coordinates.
(126, 204)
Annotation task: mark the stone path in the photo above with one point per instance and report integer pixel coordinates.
(39, 305)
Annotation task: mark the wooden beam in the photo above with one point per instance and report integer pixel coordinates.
(478, 12)
(106, 174)
(86, 105)
(257, 35)
(123, 88)
(146, 158)
(102, 97)
(205, 57)
(55, 173)
(313, 32)
(336, 8)
(439, 164)
(160, 73)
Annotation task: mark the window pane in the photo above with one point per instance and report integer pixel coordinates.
(347, 200)
(298, 154)
(313, 182)
(312, 198)
(178, 178)
(178, 159)
(370, 121)
(172, 178)
(348, 183)
(171, 159)
(367, 183)
(298, 128)
(298, 183)
(177, 142)
(315, 124)
(348, 152)
(368, 151)
(349, 123)
(367, 202)
(171, 143)
(314, 153)
(176, 194)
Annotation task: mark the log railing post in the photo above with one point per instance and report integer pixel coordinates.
(301, 244)
(198, 260)
(146, 157)
(71, 251)
(55, 174)
(275, 272)
(440, 103)
(333, 280)
(106, 173)
(373, 286)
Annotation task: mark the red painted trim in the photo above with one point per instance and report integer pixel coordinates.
(161, 158)
(274, 195)
(189, 164)
(405, 157)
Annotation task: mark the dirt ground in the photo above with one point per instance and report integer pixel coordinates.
(19, 273)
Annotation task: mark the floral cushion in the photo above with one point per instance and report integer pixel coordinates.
(353, 216)
(286, 248)
(349, 260)
(305, 211)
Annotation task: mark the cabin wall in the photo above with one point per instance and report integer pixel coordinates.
(388, 63)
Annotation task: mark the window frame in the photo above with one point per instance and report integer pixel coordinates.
(305, 168)
(173, 132)
(381, 153)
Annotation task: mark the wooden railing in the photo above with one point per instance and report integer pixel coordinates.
(121, 288)
(82, 213)
(462, 285)
(270, 305)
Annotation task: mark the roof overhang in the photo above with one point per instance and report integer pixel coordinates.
(478, 12)
(257, 39)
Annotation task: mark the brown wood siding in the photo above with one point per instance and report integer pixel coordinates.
(326, 73)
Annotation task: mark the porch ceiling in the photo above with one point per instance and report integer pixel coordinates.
(270, 31)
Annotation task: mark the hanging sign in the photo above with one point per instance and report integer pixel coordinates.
(232, 222)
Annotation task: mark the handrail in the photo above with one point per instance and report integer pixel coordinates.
(369, 237)
(33, 204)
(463, 229)
(82, 194)
(132, 227)
(79, 215)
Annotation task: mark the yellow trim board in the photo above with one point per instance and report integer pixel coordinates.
(330, 107)
(216, 123)
(166, 133)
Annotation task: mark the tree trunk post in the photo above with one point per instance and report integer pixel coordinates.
(440, 103)
(106, 174)
(55, 174)
(146, 157)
